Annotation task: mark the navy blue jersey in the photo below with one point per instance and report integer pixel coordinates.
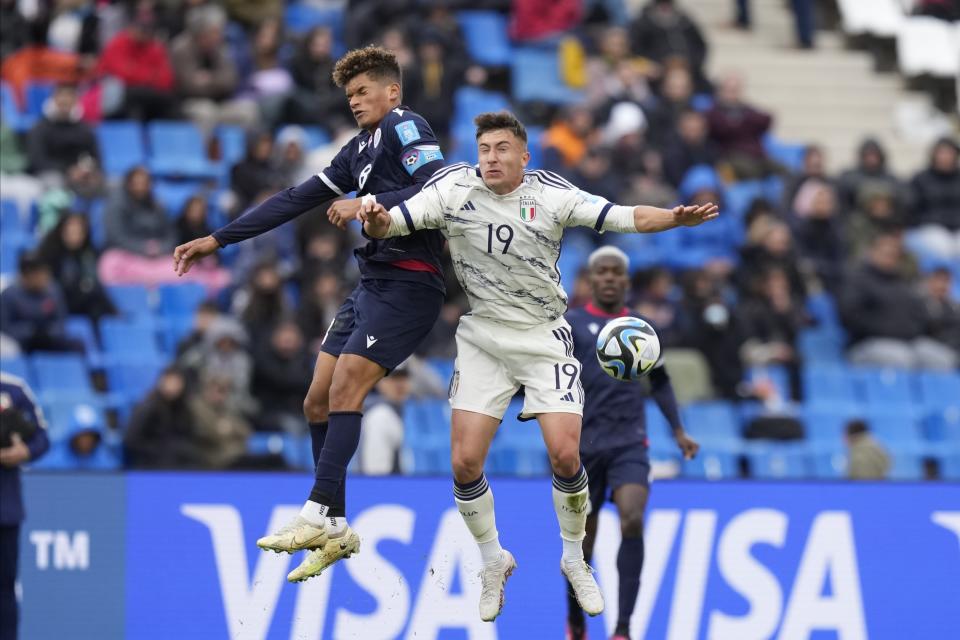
(613, 410)
(392, 163)
(15, 395)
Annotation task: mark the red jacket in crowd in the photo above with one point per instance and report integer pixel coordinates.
(141, 63)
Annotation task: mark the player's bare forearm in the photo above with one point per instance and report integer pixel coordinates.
(648, 219)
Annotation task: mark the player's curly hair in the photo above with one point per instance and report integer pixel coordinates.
(494, 121)
(380, 63)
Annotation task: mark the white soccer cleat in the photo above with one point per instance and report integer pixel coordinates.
(343, 546)
(493, 579)
(296, 535)
(584, 586)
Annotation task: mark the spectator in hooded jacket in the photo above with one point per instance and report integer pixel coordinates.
(936, 192)
(162, 433)
(663, 32)
(315, 96)
(818, 231)
(688, 146)
(943, 309)
(60, 137)
(884, 314)
(871, 171)
(282, 370)
(83, 448)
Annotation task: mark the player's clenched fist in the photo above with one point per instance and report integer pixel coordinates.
(343, 211)
(187, 254)
(376, 219)
(691, 216)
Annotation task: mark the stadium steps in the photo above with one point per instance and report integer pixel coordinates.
(830, 96)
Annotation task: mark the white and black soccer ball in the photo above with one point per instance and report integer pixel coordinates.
(627, 348)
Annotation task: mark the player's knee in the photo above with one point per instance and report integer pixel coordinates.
(565, 460)
(467, 466)
(316, 408)
(631, 525)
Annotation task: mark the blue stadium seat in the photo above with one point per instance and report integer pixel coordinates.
(16, 366)
(174, 330)
(778, 461)
(828, 461)
(60, 376)
(710, 465)
(943, 425)
(897, 427)
(485, 33)
(181, 299)
(738, 197)
(12, 115)
(301, 17)
(233, 144)
(131, 380)
(289, 446)
(177, 149)
(81, 327)
(11, 246)
(775, 375)
(950, 465)
(467, 103)
(535, 147)
(121, 146)
(316, 137)
(907, 463)
(98, 229)
(10, 217)
(131, 300)
(938, 390)
(788, 154)
(36, 94)
(173, 194)
(658, 429)
(535, 77)
(443, 367)
(129, 340)
(713, 422)
(825, 425)
(885, 387)
(823, 308)
(821, 344)
(829, 384)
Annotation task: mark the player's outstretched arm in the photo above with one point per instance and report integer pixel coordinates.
(652, 219)
(187, 254)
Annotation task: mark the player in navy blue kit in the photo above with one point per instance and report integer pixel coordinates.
(388, 314)
(613, 442)
(23, 437)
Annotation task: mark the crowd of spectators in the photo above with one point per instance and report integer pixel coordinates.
(653, 128)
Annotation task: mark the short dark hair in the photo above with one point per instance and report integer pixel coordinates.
(31, 262)
(856, 427)
(495, 121)
(376, 61)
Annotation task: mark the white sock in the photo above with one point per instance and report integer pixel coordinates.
(478, 515)
(336, 526)
(314, 513)
(572, 550)
(571, 501)
(490, 552)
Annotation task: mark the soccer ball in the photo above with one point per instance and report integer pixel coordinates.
(627, 348)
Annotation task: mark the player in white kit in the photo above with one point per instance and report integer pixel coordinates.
(504, 226)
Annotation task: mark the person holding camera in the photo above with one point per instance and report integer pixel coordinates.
(23, 437)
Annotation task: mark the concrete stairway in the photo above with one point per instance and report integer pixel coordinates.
(830, 96)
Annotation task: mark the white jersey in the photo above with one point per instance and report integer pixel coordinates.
(505, 248)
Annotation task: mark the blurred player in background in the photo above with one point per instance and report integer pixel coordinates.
(389, 313)
(23, 437)
(504, 226)
(613, 444)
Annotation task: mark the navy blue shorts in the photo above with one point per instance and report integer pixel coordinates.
(610, 469)
(383, 321)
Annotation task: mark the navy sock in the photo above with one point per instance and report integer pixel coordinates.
(343, 438)
(629, 566)
(318, 435)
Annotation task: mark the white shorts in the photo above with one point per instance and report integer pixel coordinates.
(494, 360)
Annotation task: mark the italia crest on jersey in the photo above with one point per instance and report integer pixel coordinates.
(528, 209)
